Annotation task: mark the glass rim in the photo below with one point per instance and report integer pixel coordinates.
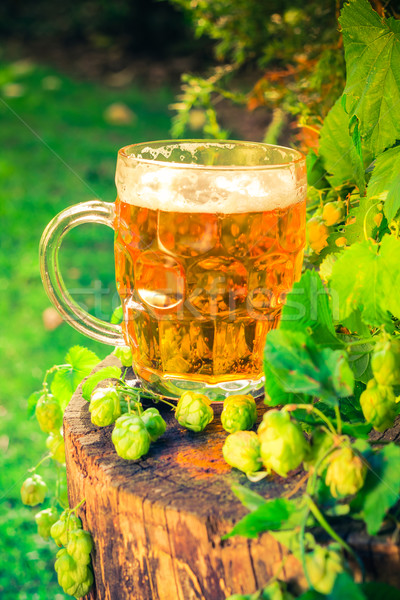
(123, 153)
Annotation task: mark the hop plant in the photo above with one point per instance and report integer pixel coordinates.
(318, 234)
(319, 446)
(48, 413)
(130, 437)
(333, 212)
(154, 423)
(59, 530)
(193, 411)
(346, 473)
(33, 490)
(104, 406)
(385, 362)
(74, 578)
(242, 451)
(44, 521)
(323, 566)
(283, 446)
(80, 545)
(378, 404)
(239, 413)
(124, 353)
(56, 447)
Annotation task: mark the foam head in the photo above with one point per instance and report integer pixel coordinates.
(210, 176)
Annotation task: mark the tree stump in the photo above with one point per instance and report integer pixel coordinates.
(157, 522)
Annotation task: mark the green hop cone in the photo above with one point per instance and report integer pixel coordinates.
(154, 423)
(104, 406)
(242, 451)
(385, 362)
(44, 521)
(320, 444)
(48, 413)
(80, 545)
(124, 353)
(59, 531)
(378, 404)
(33, 490)
(74, 578)
(346, 472)
(56, 447)
(323, 566)
(239, 413)
(130, 437)
(193, 411)
(283, 446)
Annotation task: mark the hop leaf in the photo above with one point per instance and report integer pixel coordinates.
(242, 451)
(104, 406)
(283, 445)
(44, 521)
(59, 530)
(323, 566)
(80, 545)
(48, 413)
(193, 411)
(378, 405)
(33, 490)
(239, 413)
(56, 447)
(346, 473)
(154, 423)
(130, 437)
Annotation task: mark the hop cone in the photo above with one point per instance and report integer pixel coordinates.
(378, 405)
(283, 445)
(56, 447)
(346, 473)
(33, 490)
(48, 413)
(59, 531)
(44, 520)
(79, 546)
(104, 406)
(239, 413)
(130, 437)
(124, 353)
(323, 565)
(154, 423)
(242, 451)
(193, 411)
(74, 578)
(385, 362)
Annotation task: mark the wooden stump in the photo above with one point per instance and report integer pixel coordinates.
(157, 522)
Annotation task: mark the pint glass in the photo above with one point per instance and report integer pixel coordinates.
(209, 238)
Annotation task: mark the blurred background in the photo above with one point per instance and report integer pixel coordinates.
(79, 80)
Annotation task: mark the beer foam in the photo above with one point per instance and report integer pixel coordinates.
(224, 191)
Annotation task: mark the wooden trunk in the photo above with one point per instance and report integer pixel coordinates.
(157, 522)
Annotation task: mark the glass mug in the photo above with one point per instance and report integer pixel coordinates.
(209, 237)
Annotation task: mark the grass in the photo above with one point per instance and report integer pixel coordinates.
(57, 150)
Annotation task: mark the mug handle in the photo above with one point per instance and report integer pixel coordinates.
(93, 211)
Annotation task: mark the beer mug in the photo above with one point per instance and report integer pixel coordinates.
(209, 238)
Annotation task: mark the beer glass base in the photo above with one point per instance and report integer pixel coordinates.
(173, 388)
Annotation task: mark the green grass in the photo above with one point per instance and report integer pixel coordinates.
(57, 150)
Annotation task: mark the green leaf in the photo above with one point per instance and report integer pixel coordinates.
(372, 53)
(248, 498)
(384, 184)
(92, 381)
(299, 366)
(273, 515)
(315, 171)
(375, 590)
(345, 587)
(307, 307)
(80, 362)
(382, 486)
(337, 149)
(312, 595)
(356, 279)
(390, 274)
(117, 315)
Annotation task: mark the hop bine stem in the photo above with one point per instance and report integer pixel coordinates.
(312, 408)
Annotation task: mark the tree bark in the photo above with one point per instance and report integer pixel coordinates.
(157, 522)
